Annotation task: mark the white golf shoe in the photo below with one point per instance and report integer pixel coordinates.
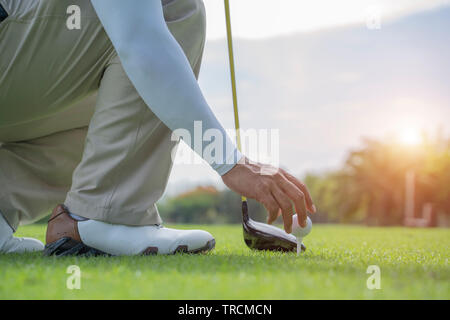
(10, 244)
(67, 236)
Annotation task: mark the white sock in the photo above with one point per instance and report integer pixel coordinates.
(77, 217)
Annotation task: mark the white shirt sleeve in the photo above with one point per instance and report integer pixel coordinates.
(161, 73)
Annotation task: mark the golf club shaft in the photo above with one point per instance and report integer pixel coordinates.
(233, 77)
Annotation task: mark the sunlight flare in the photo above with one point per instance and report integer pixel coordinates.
(410, 136)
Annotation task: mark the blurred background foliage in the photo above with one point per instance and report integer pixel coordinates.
(369, 188)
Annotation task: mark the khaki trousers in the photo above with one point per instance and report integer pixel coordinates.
(73, 129)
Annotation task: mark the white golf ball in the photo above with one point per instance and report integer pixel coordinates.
(297, 230)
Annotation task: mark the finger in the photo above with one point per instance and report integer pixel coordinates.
(272, 217)
(309, 202)
(297, 197)
(272, 208)
(286, 207)
(301, 217)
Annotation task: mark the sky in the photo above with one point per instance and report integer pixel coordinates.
(268, 18)
(325, 77)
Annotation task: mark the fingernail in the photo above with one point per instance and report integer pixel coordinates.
(314, 208)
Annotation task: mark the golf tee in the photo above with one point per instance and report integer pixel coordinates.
(299, 245)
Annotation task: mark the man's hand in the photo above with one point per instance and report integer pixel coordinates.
(276, 189)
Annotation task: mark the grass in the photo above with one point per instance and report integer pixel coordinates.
(413, 263)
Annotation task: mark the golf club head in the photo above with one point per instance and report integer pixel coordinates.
(262, 236)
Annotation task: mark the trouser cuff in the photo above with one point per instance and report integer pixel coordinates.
(124, 216)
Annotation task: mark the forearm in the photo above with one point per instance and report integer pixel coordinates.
(160, 71)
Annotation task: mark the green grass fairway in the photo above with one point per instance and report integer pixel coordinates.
(413, 262)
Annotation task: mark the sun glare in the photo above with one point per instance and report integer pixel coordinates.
(410, 136)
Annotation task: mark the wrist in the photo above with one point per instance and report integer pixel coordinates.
(232, 161)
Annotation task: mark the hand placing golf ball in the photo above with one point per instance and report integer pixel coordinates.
(299, 231)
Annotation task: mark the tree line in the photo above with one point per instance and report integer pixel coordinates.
(369, 188)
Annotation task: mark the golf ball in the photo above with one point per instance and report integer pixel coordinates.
(297, 230)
